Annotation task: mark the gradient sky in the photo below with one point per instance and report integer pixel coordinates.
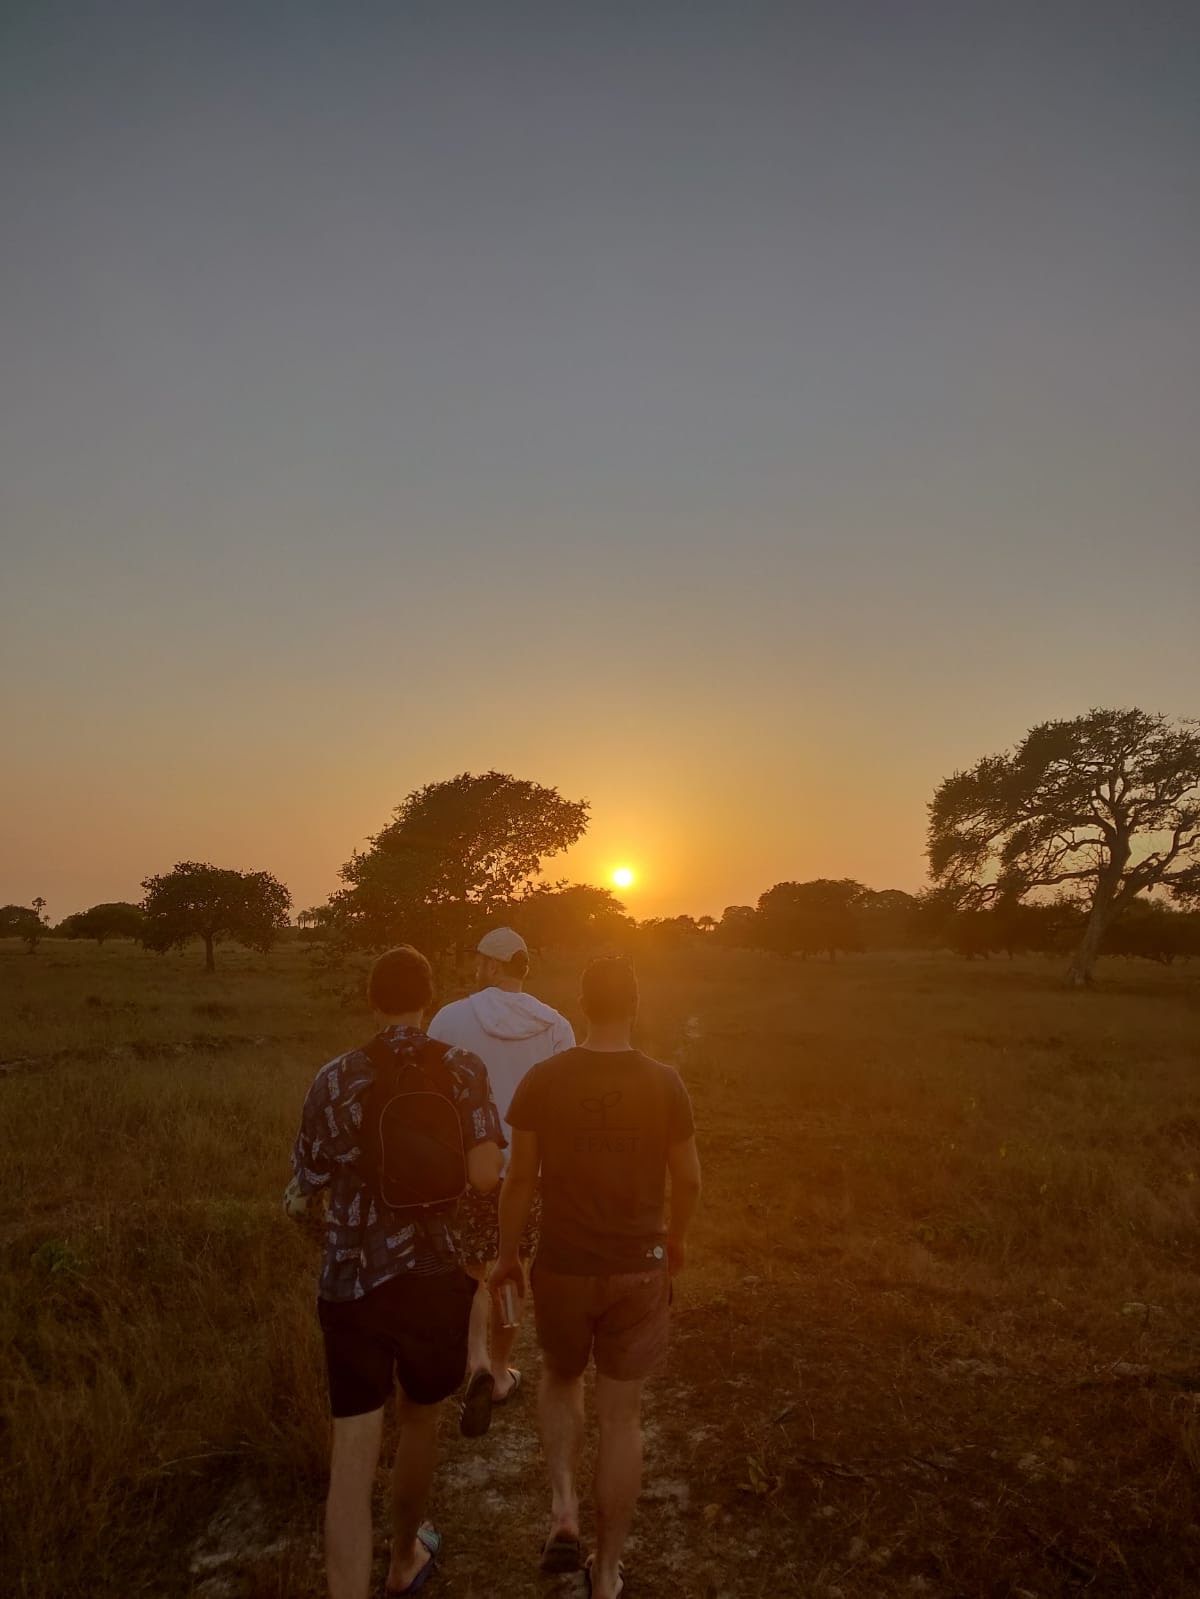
(739, 415)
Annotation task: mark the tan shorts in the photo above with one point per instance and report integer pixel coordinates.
(623, 1321)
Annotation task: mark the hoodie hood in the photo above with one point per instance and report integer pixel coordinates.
(505, 1015)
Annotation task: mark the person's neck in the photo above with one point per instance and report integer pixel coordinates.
(411, 1018)
(510, 985)
(608, 1038)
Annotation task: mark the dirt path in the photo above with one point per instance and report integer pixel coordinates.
(492, 1500)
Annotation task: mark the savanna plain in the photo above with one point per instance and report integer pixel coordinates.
(938, 1334)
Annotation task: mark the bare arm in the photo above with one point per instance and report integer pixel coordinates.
(482, 1130)
(683, 1163)
(484, 1165)
(516, 1198)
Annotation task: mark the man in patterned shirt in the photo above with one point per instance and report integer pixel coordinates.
(394, 1302)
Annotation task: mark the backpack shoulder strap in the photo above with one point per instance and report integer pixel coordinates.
(432, 1059)
(377, 1052)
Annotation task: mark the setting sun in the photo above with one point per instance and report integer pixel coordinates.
(623, 876)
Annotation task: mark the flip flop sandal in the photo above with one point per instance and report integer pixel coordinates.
(475, 1412)
(560, 1553)
(622, 1591)
(513, 1391)
(432, 1540)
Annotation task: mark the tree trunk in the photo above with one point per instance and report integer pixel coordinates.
(1079, 972)
(1111, 896)
(210, 963)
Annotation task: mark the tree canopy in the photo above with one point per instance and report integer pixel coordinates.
(118, 919)
(1106, 805)
(456, 855)
(813, 917)
(213, 903)
(22, 921)
(570, 916)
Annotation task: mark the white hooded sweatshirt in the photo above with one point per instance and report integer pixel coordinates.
(509, 1032)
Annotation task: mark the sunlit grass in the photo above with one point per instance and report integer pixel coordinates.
(1010, 1163)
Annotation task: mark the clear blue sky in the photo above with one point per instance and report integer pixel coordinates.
(739, 415)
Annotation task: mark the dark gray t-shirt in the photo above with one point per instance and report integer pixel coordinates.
(604, 1121)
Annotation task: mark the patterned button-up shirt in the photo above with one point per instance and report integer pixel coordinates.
(363, 1247)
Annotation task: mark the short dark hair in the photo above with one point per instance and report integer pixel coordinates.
(515, 966)
(609, 989)
(401, 981)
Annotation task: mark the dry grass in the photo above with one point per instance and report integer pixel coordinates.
(906, 1359)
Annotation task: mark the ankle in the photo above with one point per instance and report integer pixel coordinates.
(564, 1516)
(605, 1584)
(406, 1561)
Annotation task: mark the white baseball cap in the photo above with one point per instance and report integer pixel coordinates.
(501, 944)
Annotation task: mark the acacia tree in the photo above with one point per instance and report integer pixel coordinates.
(213, 903)
(456, 854)
(1105, 805)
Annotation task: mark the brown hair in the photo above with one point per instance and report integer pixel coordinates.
(401, 981)
(609, 990)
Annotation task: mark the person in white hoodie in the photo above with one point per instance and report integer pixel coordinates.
(511, 1032)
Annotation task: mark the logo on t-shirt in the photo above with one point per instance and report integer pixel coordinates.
(598, 1134)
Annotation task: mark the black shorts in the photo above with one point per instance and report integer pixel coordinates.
(411, 1330)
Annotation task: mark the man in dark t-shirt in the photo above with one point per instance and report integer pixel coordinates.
(604, 1124)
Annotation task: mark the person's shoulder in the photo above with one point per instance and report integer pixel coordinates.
(546, 1071)
(463, 1064)
(343, 1071)
(563, 1061)
(653, 1064)
(664, 1070)
(449, 1017)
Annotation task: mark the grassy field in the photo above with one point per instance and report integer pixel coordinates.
(939, 1336)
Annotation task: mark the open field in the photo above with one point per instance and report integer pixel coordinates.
(939, 1334)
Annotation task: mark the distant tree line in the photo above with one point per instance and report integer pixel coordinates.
(118, 919)
(1073, 842)
(194, 901)
(25, 922)
(845, 918)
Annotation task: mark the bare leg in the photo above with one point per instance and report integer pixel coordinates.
(487, 1330)
(348, 1543)
(560, 1413)
(503, 1339)
(412, 1473)
(618, 1477)
(478, 1358)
